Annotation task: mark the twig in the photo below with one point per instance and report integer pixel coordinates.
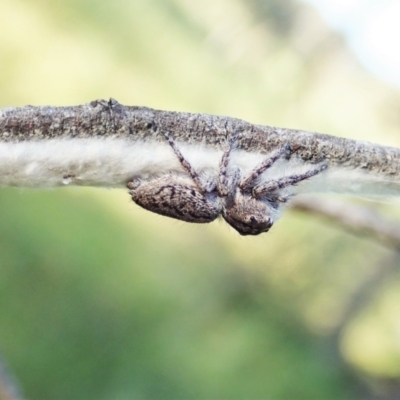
(354, 217)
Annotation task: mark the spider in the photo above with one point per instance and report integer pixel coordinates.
(247, 203)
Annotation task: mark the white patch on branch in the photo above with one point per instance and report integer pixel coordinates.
(111, 162)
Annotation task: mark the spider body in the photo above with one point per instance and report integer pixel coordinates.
(249, 207)
(176, 197)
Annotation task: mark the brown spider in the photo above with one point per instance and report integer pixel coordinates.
(248, 206)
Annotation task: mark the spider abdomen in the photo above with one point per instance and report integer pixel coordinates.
(180, 200)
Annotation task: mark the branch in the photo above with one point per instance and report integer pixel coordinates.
(354, 217)
(104, 143)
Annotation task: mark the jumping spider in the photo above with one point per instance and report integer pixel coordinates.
(246, 203)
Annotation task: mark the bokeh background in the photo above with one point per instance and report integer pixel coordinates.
(101, 300)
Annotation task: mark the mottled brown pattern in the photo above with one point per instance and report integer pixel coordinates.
(169, 197)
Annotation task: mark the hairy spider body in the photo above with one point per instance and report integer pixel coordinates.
(249, 207)
(177, 198)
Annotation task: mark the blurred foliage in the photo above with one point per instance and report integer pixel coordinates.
(101, 300)
(98, 310)
(281, 16)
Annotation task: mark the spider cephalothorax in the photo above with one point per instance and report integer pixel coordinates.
(249, 206)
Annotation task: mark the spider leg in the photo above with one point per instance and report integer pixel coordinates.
(248, 181)
(209, 183)
(227, 177)
(185, 164)
(268, 187)
(278, 198)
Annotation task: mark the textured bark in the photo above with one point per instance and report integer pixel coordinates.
(102, 118)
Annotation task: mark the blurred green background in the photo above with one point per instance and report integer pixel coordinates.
(101, 300)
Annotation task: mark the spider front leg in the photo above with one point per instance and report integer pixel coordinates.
(271, 186)
(185, 164)
(206, 186)
(248, 181)
(228, 177)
